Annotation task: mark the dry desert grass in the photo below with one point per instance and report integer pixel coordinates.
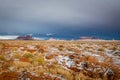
(59, 60)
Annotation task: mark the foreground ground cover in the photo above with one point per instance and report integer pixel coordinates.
(59, 60)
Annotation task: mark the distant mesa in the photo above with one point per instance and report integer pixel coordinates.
(88, 38)
(26, 37)
(52, 39)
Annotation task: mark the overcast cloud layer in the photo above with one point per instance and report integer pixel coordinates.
(53, 15)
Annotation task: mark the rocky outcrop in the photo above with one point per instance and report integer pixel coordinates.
(27, 37)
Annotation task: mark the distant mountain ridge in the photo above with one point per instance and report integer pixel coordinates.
(26, 37)
(88, 38)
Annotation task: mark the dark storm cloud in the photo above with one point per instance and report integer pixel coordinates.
(48, 15)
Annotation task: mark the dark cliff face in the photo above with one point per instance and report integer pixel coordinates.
(27, 37)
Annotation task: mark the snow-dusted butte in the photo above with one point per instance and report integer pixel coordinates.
(59, 60)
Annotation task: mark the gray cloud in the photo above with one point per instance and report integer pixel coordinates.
(34, 15)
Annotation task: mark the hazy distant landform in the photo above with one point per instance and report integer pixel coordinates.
(55, 36)
(60, 19)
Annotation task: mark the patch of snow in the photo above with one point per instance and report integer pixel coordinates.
(68, 62)
(115, 59)
(70, 52)
(108, 52)
(52, 50)
(31, 47)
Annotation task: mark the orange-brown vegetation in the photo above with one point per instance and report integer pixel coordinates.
(59, 60)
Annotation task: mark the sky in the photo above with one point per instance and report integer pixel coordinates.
(60, 16)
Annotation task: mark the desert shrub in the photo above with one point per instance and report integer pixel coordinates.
(51, 56)
(80, 76)
(2, 45)
(58, 70)
(42, 49)
(39, 60)
(5, 65)
(15, 49)
(61, 47)
(28, 55)
(42, 70)
(113, 48)
(17, 55)
(69, 48)
(2, 58)
(9, 76)
(20, 64)
(66, 74)
(101, 49)
(23, 59)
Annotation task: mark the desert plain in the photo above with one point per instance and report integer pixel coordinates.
(59, 60)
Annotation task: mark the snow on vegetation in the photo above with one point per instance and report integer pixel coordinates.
(59, 60)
